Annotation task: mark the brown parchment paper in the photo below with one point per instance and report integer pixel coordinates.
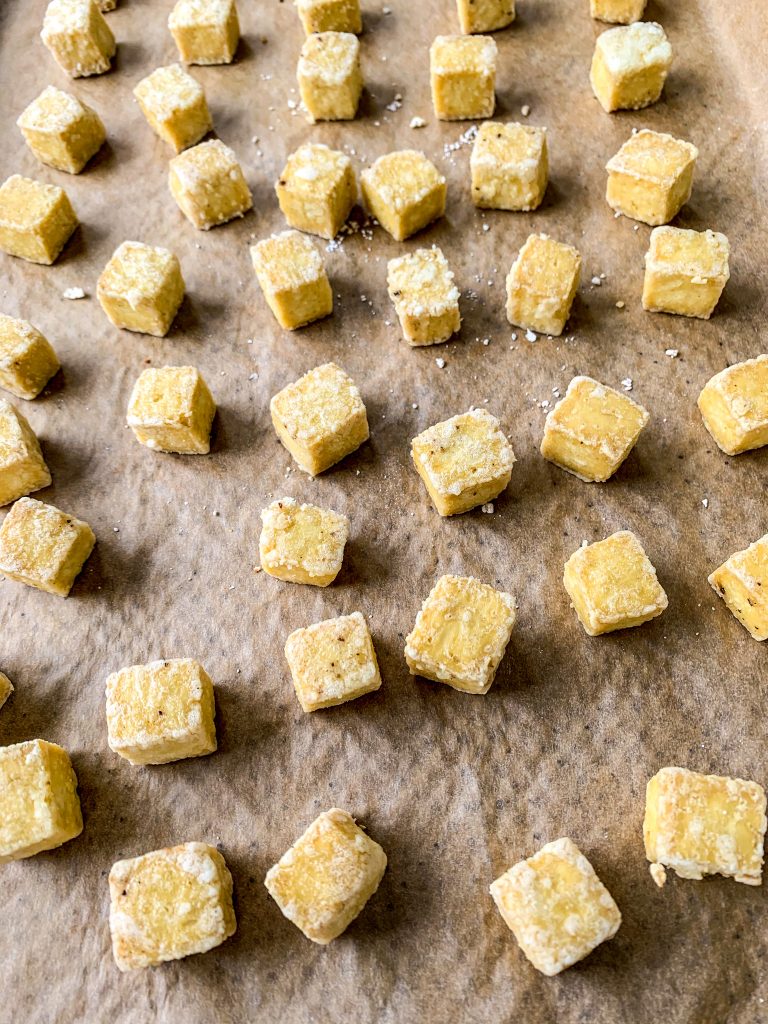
(456, 788)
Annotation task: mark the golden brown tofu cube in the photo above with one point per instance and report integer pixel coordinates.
(742, 582)
(27, 359)
(330, 16)
(6, 688)
(22, 467)
(630, 66)
(510, 166)
(556, 906)
(463, 77)
(317, 190)
(650, 177)
(485, 15)
(329, 76)
(174, 105)
(302, 543)
(172, 410)
(43, 547)
(620, 12)
(61, 131)
(208, 184)
(78, 37)
(542, 284)
(734, 406)
(685, 271)
(404, 192)
(425, 298)
(169, 904)
(141, 288)
(36, 220)
(292, 276)
(205, 31)
(323, 882)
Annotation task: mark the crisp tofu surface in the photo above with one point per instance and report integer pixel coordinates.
(330, 16)
(685, 271)
(404, 191)
(292, 276)
(556, 906)
(6, 688)
(61, 131)
(742, 582)
(425, 298)
(78, 37)
(302, 543)
(332, 662)
(734, 406)
(36, 220)
(171, 410)
(317, 190)
(43, 547)
(141, 288)
(175, 107)
(208, 184)
(485, 15)
(510, 166)
(542, 284)
(205, 31)
(630, 66)
(27, 359)
(650, 177)
(329, 76)
(323, 882)
(22, 467)
(620, 12)
(463, 77)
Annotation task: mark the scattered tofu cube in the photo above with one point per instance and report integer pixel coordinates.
(329, 76)
(22, 467)
(6, 689)
(36, 220)
(292, 276)
(404, 192)
(685, 271)
(27, 359)
(205, 31)
(43, 547)
(172, 410)
(330, 16)
(175, 106)
(542, 284)
(734, 406)
(463, 77)
(61, 131)
(78, 37)
(302, 543)
(650, 177)
(141, 288)
(208, 184)
(317, 190)
(509, 166)
(742, 582)
(485, 15)
(425, 298)
(630, 66)
(620, 12)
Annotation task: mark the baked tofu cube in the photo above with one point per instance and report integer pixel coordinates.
(61, 131)
(330, 16)
(208, 184)
(556, 906)
(292, 276)
(317, 190)
(404, 192)
(6, 688)
(205, 31)
(592, 430)
(425, 298)
(174, 105)
(485, 15)
(78, 37)
(169, 904)
(542, 284)
(172, 410)
(141, 288)
(630, 66)
(39, 807)
(22, 467)
(650, 177)
(161, 712)
(685, 271)
(329, 76)
(332, 662)
(463, 77)
(612, 584)
(704, 825)
(323, 882)
(302, 543)
(27, 359)
(461, 634)
(43, 547)
(734, 406)
(509, 166)
(620, 12)
(320, 418)
(36, 220)
(742, 582)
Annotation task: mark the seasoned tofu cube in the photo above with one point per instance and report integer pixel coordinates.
(22, 467)
(542, 284)
(425, 298)
(510, 166)
(141, 288)
(320, 418)
(650, 177)
(463, 77)
(78, 37)
(27, 359)
(302, 543)
(556, 906)
(172, 410)
(36, 220)
(329, 76)
(208, 184)
(685, 271)
(6, 689)
(404, 192)
(485, 15)
(39, 807)
(292, 276)
(317, 190)
(169, 904)
(704, 825)
(43, 547)
(742, 582)
(205, 31)
(323, 882)
(461, 634)
(330, 16)
(174, 105)
(734, 406)
(630, 66)
(61, 131)
(620, 12)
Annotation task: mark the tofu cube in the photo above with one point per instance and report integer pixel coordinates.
(330, 16)
(329, 76)
(27, 359)
(302, 543)
(39, 807)
(461, 634)
(685, 271)
(323, 882)
(205, 31)
(556, 906)
(742, 582)
(463, 77)
(161, 712)
(208, 184)
(485, 15)
(630, 66)
(172, 410)
(332, 662)
(650, 177)
(292, 276)
(320, 418)
(78, 37)
(317, 190)
(424, 296)
(141, 288)
(43, 547)
(542, 284)
(612, 584)
(592, 430)
(61, 131)
(464, 462)
(509, 166)
(22, 467)
(404, 192)
(36, 220)
(734, 406)
(704, 825)
(6, 688)
(169, 904)
(620, 12)
(174, 105)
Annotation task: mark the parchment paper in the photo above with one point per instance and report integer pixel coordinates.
(456, 788)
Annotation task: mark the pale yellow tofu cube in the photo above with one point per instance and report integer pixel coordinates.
(734, 406)
(425, 298)
(463, 77)
(742, 582)
(317, 190)
(302, 543)
(542, 284)
(323, 882)
(509, 166)
(22, 467)
(404, 191)
(330, 16)
(174, 105)
(620, 12)
(39, 806)
(43, 547)
(485, 15)
(292, 276)
(320, 418)
(6, 688)
(27, 359)
(161, 712)
(556, 906)
(36, 220)
(169, 904)
(141, 288)
(172, 410)
(205, 31)
(61, 131)
(704, 825)
(461, 633)
(332, 662)
(208, 184)
(78, 37)
(630, 66)
(650, 177)
(685, 271)
(329, 76)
